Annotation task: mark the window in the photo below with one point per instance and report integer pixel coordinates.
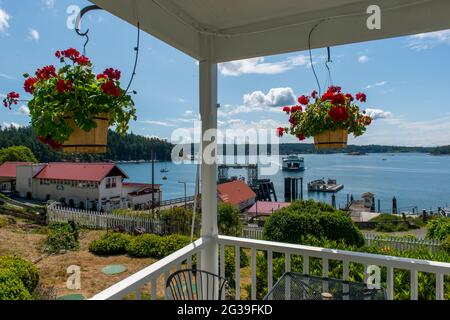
(113, 182)
(108, 183)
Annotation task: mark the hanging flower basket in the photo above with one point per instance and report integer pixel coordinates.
(72, 108)
(330, 118)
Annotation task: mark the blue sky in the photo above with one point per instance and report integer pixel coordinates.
(406, 79)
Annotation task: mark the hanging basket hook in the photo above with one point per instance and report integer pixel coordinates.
(78, 23)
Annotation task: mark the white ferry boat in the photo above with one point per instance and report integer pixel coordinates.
(293, 163)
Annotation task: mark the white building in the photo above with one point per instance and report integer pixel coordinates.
(92, 186)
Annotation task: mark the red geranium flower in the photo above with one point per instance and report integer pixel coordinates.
(349, 96)
(71, 53)
(361, 97)
(327, 96)
(11, 98)
(63, 86)
(338, 114)
(112, 73)
(287, 109)
(110, 88)
(279, 132)
(46, 73)
(301, 137)
(338, 99)
(102, 76)
(82, 60)
(49, 141)
(304, 100)
(314, 94)
(29, 83)
(296, 108)
(334, 89)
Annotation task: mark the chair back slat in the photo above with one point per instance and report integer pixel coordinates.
(193, 284)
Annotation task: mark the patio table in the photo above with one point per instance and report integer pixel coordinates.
(298, 286)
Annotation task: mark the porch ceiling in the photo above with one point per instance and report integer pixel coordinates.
(249, 28)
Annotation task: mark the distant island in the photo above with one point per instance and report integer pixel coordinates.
(134, 147)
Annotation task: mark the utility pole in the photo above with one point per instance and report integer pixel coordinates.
(153, 182)
(185, 196)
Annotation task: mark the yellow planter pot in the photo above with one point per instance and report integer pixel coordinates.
(331, 139)
(94, 141)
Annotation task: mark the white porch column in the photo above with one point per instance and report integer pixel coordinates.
(208, 113)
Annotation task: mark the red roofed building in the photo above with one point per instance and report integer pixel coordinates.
(92, 186)
(237, 193)
(266, 208)
(8, 175)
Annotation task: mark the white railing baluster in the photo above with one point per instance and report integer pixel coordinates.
(287, 262)
(345, 270)
(305, 264)
(390, 283)
(138, 295)
(269, 270)
(439, 286)
(153, 288)
(238, 272)
(414, 285)
(253, 274)
(325, 267)
(222, 260)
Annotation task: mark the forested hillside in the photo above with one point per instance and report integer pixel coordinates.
(129, 147)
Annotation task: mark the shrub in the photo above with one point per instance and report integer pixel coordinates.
(146, 245)
(170, 244)
(23, 269)
(3, 222)
(228, 220)
(438, 228)
(445, 245)
(62, 236)
(11, 287)
(305, 218)
(110, 244)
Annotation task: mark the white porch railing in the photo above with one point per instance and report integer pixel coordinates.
(149, 276)
(134, 283)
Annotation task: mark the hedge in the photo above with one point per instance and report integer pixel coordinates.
(305, 218)
(438, 229)
(112, 243)
(23, 269)
(11, 287)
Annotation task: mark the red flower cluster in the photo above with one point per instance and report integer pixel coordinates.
(102, 76)
(110, 88)
(361, 97)
(49, 141)
(339, 114)
(82, 61)
(11, 98)
(70, 53)
(304, 100)
(279, 132)
(46, 73)
(296, 108)
(314, 94)
(29, 83)
(113, 74)
(287, 109)
(63, 86)
(300, 137)
(366, 120)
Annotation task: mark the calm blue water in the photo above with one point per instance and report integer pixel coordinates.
(414, 179)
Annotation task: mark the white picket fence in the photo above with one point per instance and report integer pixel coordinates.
(391, 242)
(401, 243)
(99, 220)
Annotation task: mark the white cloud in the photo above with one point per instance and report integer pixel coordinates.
(276, 97)
(378, 113)
(33, 34)
(363, 59)
(181, 100)
(6, 125)
(157, 123)
(258, 66)
(423, 41)
(188, 113)
(3, 75)
(24, 110)
(50, 4)
(4, 20)
(378, 84)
